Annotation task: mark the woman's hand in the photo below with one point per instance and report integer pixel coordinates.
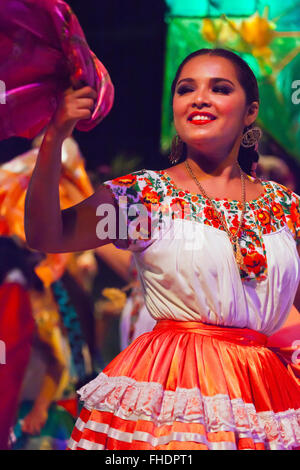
(35, 421)
(47, 227)
(73, 106)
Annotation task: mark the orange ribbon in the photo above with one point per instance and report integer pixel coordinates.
(244, 336)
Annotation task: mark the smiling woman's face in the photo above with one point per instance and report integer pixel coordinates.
(209, 104)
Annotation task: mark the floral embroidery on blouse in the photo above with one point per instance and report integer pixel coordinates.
(276, 208)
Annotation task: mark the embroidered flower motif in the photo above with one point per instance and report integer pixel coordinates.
(127, 180)
(279, 207)
(264, 217)
(150, 197)
(180, 207)
(295, 214)
(253, 237)
(255, 262)
(280, 193)
(233, 231)
(211, 216)
(277, 210)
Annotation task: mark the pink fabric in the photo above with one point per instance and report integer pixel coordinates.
(43, 51)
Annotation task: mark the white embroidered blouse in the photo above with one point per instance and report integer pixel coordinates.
(186, 261)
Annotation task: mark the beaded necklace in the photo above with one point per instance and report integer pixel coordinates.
(234, 238)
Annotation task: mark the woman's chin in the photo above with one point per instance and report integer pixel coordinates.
(204, 143)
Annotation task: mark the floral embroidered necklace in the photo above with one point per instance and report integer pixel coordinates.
(234, 238)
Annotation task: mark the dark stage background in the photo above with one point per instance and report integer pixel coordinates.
(129, 38)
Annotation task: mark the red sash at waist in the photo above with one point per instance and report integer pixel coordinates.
(244, 336)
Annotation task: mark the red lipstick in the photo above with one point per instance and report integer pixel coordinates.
(199, 118)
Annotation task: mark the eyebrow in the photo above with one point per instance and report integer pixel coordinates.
(214, 79)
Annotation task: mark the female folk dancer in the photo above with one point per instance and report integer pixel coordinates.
(203, 378)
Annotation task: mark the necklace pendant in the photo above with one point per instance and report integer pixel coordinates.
(238, 254)
(239, 257)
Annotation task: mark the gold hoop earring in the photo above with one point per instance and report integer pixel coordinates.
(176, 150)
(251, 137)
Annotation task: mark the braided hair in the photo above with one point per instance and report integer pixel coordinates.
(247, 80)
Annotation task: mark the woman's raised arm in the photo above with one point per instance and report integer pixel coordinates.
(47, 228)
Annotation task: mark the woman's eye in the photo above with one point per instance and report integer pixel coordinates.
(184, 89)
(222, 89)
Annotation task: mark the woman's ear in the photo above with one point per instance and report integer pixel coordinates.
(252, 113)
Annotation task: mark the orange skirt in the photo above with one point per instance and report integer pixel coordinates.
(190, 386)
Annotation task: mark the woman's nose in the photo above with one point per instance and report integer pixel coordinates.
(201, 99)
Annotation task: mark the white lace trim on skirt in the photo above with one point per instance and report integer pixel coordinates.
(132, 400)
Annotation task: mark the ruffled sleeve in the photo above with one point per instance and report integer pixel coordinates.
(133, 213)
